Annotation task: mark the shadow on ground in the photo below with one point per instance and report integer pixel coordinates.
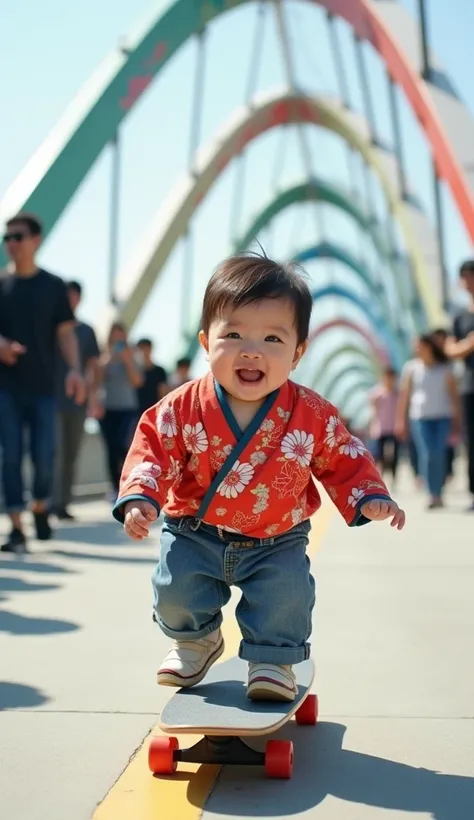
(20, 696)
(14, 624)
(324, 768)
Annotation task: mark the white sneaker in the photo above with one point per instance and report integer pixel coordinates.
(270, 681)
(188, 662)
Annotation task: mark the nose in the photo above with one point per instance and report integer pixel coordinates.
(250, 352)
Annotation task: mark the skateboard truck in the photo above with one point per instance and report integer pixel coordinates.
(221, 750)
(164, 753)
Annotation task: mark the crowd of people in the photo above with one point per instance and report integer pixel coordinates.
(53, 375)
(430, 408)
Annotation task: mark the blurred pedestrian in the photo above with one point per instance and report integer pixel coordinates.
(429, 397)
(71, 416)
(384, 400)
(117, 400)
(460, 345)
(35, 315)
(155, 380)
(181, 374)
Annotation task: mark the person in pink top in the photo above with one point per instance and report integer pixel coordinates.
(384, 398)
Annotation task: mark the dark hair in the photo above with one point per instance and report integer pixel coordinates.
(34, 225)
(75, 286)
(466, 267)
(438, 353)
(184, 362)
(247, 278)
(390, 371)
(117, 326)
(144, 342)
(440, 331)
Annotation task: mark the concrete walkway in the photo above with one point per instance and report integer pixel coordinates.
(395, 677)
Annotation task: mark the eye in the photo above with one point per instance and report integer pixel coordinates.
(272, 339)
(232, 335)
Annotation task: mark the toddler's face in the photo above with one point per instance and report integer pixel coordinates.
(253, 349)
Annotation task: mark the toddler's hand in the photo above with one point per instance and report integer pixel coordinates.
(138, 517)
(379, 510)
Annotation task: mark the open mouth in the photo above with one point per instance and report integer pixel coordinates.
(247, 376)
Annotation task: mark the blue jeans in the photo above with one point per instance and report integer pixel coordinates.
(431, 439)
(36, 414)
(197, 567)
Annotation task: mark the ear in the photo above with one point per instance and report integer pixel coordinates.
(299, 353)
(204, 340)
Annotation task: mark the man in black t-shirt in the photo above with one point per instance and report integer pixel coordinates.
(34, 315)
(461, 346)
(155, 385)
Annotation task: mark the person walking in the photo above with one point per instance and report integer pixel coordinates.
(429, 397)
(384, 400)
(71, 416)
(460, 345)
(118, 409)
(35, 315)
(155, 380)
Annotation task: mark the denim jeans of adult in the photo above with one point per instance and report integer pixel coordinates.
(35, 417)
(197, 567)
(431, 439)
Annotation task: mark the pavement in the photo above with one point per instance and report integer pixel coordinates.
(393, 646)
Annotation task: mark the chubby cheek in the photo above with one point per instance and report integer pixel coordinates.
(220, 360)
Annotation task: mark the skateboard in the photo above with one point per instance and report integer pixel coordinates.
(219, 709)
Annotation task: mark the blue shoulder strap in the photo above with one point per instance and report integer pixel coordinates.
(237, 451)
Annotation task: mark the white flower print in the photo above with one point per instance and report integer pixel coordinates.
(227, 449)
(298, 446)
(195, 438)
(174, 470)
(266, 426)
(296, 516)
(331, 431)
(145, 474)
(258, 457)
(352, 448)
(263, 493)
(166, 421)
(236, 480)
(355, 496)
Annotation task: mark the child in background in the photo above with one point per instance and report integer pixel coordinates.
(231, 458)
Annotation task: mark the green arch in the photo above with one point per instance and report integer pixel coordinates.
(317, 190)
(328, 250)
(353, 349)
(271, 110)
(357, 367)
(362, 382)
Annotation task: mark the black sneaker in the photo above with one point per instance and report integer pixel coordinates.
(16, 543)
(43, 528)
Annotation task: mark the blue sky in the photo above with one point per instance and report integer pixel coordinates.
(49, 49)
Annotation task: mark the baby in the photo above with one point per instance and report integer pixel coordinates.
(231, 460)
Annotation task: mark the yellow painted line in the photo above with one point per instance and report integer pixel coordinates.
(137, 795)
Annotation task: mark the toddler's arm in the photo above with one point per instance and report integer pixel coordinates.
(348, 473)
(154, 463)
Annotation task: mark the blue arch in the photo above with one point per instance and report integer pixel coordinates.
(327, 250)
(383, 330)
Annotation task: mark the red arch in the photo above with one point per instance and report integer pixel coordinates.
(378, 350)
(367, 24)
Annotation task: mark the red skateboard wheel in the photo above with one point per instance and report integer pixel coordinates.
(160, 755)
(307, 714)
(279, 758)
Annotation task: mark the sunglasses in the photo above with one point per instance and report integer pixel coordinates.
(14, 237)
